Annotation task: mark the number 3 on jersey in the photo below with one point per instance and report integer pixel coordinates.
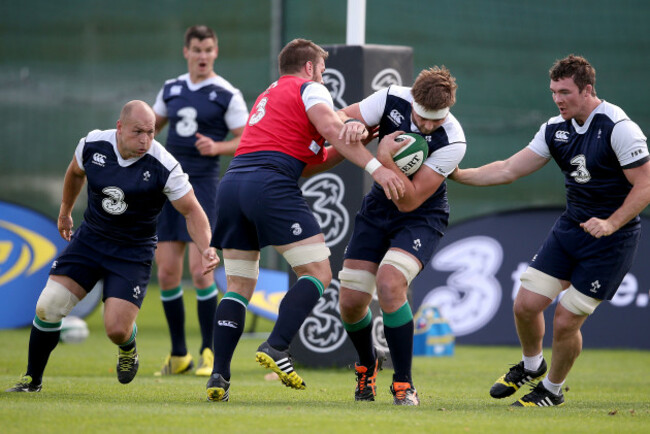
(114, 203)
(187, 125)
(260, 111)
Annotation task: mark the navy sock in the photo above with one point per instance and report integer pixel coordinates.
(362, 341)
(41, 344)
(296, 305)
(206, 306)
(172, 301)
(398, 329)
(229, 321)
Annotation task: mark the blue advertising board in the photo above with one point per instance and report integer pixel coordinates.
(474, 276)
(29, 242)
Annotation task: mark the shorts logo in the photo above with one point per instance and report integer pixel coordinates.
(562, 136)
(99, 159)
(417, 244)
(595, 286)
(385, 78)
(396, 117)
(335, 83)
(296, 229)
(322, 331)
(227, 323)
(136, 292)
(146, 175)
(325, 192)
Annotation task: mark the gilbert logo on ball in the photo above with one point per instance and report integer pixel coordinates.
(411, 155)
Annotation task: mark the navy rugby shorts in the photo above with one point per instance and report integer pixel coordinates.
(594, 266)
(378, 228)
(123, 279)
(261, 208)
(172, 225)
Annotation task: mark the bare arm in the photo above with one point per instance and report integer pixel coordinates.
(329, 125)
(425, 182)
(161, 121)
(209, 147)
(636, 201)
(520, 164)
(198, 228)
(72, 184)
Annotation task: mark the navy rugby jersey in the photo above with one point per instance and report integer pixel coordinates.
(592, 158)
(396, 116)
(212, 107)
(126, 196)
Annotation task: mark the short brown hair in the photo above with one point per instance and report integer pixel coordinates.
(199, 32)
(298, 52)
(577, 68)
(435, 88)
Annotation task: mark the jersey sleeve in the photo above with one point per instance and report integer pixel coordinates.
(629, 144)
(178, 184)
(316, 93)
(445, 160)
(159, 106)
(538, 145)
(372, 107)
(78, 153)
(237, 113)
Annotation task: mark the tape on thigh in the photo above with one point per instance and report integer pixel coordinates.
(359, 280)
(55, 302)
(306, 254)
(408, 266)
(578, 303)
(540, 283)
(242, 268)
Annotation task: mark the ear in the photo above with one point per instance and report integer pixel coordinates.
(588, 90)
(309, 68)
(186, 52)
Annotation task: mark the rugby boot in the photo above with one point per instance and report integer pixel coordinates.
(176, 365)
(539, 396)
(404, 393)
(218, 389)
(281, 363)
(127, 365)
(516, 377)
(25, 385)
(205, 363)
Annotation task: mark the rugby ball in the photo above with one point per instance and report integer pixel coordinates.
(74, 330)
(411, 155)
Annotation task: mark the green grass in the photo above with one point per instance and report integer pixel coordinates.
(609, 391)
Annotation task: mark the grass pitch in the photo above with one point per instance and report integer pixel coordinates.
(608, 391)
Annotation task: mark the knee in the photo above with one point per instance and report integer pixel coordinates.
(523, 310)
(391, 291)
(118, 333)
(167, 277)
(352, 304)
(55, 302)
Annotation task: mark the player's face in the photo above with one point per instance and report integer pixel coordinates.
(319, 68)
(135, 134)
(426, 126)
(572, 103)
(200, 57)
